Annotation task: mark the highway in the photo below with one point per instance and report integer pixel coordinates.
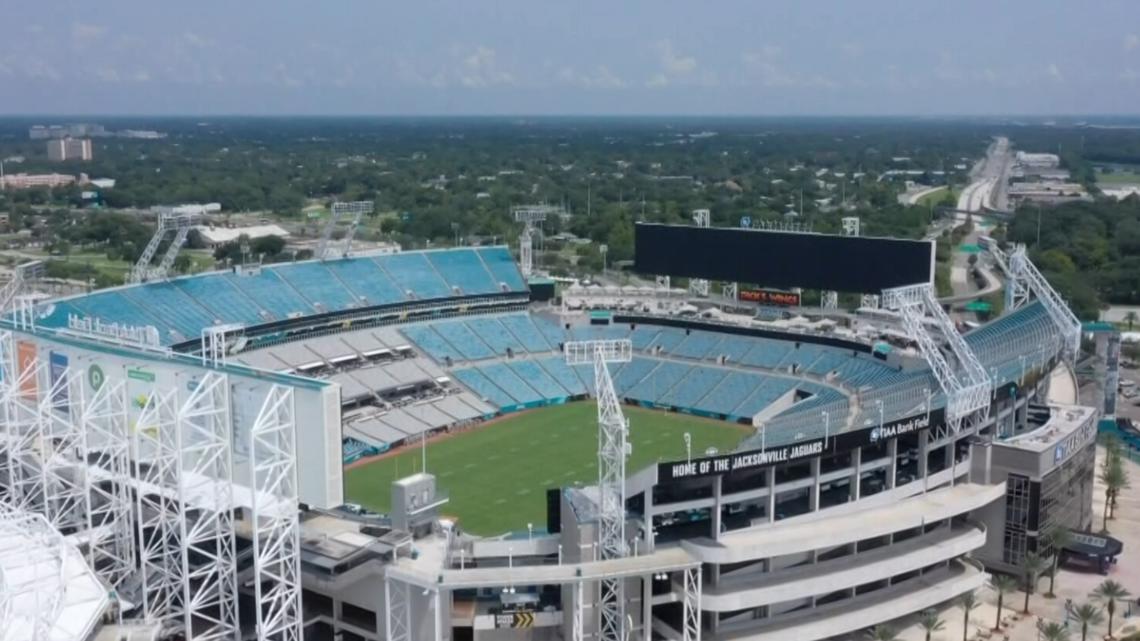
(989, 175)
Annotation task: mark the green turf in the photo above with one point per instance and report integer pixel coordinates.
(497, 475)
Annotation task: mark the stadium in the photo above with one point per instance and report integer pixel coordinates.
(428, 445)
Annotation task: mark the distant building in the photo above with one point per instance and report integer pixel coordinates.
(69, 149)
(77, 130)
(26, 181)
(1046, 161)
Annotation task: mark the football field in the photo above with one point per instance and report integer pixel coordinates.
(497, 475)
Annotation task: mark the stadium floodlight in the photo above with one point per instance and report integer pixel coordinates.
(1024, 279)
(613, 448)
(700, 286)
(966, 384)
(530, 216)
(180, 222)
(357, 209)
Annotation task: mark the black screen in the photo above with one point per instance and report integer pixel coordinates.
(782, 259)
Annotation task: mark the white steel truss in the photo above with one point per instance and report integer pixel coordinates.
(700, 286)
(63, 453)
(691, 604)
(206, 518)
(613, 448)
(829, 299)
(577, 633)
(24, 471)
(397, 610)
(729, 290)
(965, 382)
(214, 342)
(870, 301)
(276, 528)
(1024, 279)
(357, 210)
(166, 220)
(157, 513)
(108, 450)
(529, 215)
(34, 585)
(663, 282)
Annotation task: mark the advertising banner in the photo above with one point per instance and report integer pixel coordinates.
(26, 361)
(769, 297)
(757, 459)
(57, 366)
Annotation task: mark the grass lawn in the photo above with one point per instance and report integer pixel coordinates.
(937, 197)
(497, 475)
(1118, 177)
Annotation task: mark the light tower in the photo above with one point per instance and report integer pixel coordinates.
(357, 209)
(528, 215)
(700, 286)
(613, 448)
(178, 221)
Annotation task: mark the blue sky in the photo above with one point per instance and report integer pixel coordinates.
(583, 57)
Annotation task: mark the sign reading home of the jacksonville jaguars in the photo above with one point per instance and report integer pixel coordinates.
(756, 459)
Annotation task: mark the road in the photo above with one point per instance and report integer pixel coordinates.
(986, 191)
(989, 178)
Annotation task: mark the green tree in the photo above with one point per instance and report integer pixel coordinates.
(1030, 569)
(1003, 584)
(1108, 593)
(967, 602)
(1053, 631)
(1056, 538)
(1130, 318)
(1086, 614)
(1115, 478)
(931, 623)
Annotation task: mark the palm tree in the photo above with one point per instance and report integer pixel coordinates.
(1130, 318)
(1031, 568)
(1115, 478)
(1056, 538)
(931, 623)
(1086, 614)
(1108, 592)
(967, 602)
(1053, 631)
(1003, 584)
(882, 633)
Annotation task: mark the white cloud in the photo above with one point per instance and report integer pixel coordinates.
(851, 49)
(1054, 72)
(1130, 76)
(1131, 41)
(600, 78)
(84, 33)
(481, 69)
(673, 65)
(765, 68)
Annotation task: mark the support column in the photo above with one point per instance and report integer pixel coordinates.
(691, 607)
(577, 630)
(893, 458)
(398, 609)
(647, 607)
(771, 494)
(856, 466)
(813, 491)
(923, 455)
(716, 513)
(437, 603)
